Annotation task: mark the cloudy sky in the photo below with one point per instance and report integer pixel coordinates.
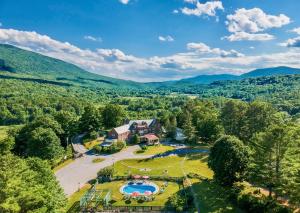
(157, 40)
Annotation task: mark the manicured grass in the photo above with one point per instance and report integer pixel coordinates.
(63, 164)
(73, 201)
(154, 150)
(98, 160)
(212, 197)
(160, 199)
(195, 163)
(192, 163)
(89, 145)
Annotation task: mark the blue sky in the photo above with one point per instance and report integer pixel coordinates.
(156, 40)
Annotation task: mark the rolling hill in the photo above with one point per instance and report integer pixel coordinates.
(18, 63)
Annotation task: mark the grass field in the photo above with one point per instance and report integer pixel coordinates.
(89, 145)
(195, 163)
(212, 198)
(154, 150)
(98, 160)
(73, 201)
(160, 199)
(65, 163)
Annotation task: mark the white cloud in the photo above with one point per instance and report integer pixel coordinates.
(124, 1)
(246, 24)
(204, 49)
(241, 36)
(200, 59)
(175, 11)
(296, 30)
(167, 38)
(292, 42)
(208, 8)
(92, 38)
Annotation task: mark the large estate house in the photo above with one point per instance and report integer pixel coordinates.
(148, 130)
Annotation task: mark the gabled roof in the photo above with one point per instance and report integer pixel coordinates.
(149, 121)
(151, 137)
(122, 129)
(125, 128)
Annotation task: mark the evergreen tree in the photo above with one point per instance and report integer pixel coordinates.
(270, 149)
(189, 129)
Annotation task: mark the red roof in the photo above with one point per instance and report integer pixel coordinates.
(151, 137)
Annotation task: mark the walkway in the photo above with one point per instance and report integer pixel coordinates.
(82, 170)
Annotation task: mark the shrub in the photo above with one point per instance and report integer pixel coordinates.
(98, 149)
(93, 135)
(106, 173)
(178, 202)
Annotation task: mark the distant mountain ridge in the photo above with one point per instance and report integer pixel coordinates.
(16, 62)
(207, 79)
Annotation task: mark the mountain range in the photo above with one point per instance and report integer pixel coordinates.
(23, 64)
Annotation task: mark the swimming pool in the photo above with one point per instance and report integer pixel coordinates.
(139, 187)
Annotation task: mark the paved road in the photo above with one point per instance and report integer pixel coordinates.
(79, 172)
(78, 147)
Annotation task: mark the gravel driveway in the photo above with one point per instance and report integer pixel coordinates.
(79, 172)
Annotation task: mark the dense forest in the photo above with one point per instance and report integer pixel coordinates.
(253, 123)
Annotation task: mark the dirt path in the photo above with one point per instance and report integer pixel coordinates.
(196, 203)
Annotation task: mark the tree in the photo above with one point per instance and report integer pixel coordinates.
(28, 186)
(90, 119)
(258, 117)
(113, 115)
(291, 171)
(135, 139)
(206, 122)
(229, 159)
(232, 117)
(68, 122)
(24, 134)
(189, 129)
(270, 148)
(44, 143)
(6, 145)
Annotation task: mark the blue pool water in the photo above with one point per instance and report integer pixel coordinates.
(141, 188)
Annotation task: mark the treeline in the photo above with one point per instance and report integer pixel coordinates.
(22, 101)
(251, 141)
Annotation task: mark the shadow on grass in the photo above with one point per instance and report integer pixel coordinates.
(75, 208)
(213, 198)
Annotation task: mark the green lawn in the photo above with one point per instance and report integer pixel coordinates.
(98, 160)
(192, 164)
(212, 198)
(154, 150)
(63, 164)
(89, 145)
(73, 201)
(160, 199)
